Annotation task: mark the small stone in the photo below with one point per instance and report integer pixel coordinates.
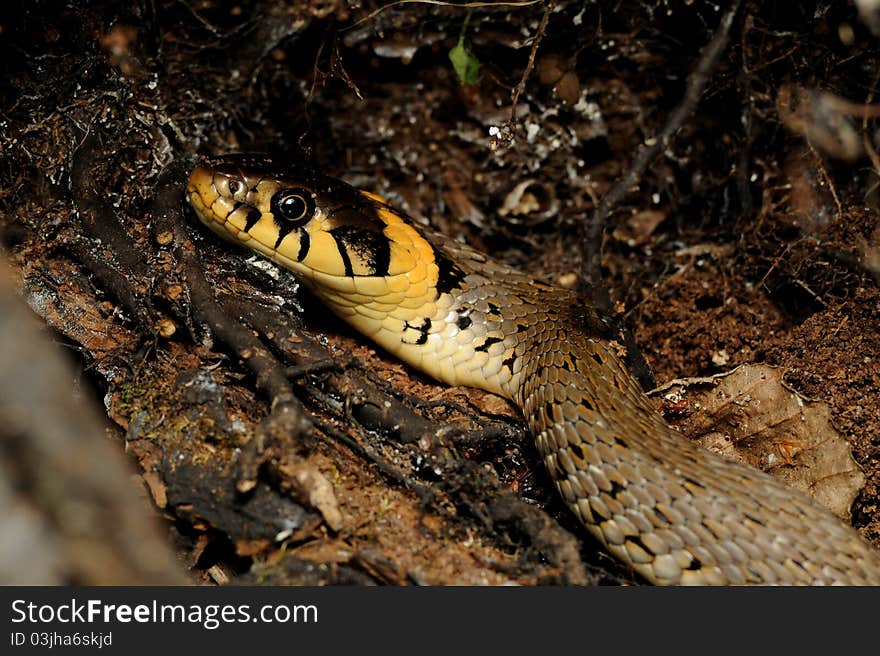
(173, 292)
(166, 328)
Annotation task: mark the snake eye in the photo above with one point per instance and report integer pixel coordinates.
(294, 206)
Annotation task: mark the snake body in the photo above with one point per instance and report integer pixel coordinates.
(675, 513)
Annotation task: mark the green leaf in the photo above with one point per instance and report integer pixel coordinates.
(467, 67)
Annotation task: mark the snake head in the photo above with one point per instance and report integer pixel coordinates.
(348, 245)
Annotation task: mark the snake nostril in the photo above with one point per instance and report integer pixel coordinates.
(234, 186)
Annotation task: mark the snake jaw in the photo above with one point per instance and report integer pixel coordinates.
(204, 197)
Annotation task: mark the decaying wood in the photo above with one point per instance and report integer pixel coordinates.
(71, 509)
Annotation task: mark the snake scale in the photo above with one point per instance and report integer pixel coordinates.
(674, 512)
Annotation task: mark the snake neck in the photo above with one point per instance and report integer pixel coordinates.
(476, 323)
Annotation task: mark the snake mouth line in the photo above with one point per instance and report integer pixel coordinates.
(229, 218)
(200, 187)
(216, 209)
(204, 214)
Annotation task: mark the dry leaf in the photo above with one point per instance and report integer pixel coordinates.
(826, 120)
(568, 88)
(157, 488)
(551, 68)
(750, 416)
(246, 548)
(324, 551)
(310, 486)
(638, 228)
(529, 202)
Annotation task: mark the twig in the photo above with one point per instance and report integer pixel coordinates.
(270, 374)
(100, 222)
(426, 494)
(287, 418)
(457, 5)
(591, 275)
(536, 41)
(372, 405)
(591, 267)
(118, 283)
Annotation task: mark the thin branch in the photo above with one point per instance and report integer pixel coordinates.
(536, 41)
(457, 5)
(590, 271)
(591, 268)
(270, 374)
(127, 266)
